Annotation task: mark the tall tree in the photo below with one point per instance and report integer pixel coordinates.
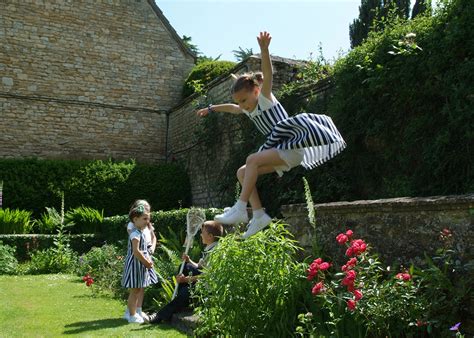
(421, 7)
(370, 14)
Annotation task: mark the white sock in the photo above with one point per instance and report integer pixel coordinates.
(258, 213)
(241, 205)
(139, 309)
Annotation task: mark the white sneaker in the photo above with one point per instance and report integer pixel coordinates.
(136, 319)
(126, 315)
(232, 216)
(144, 316)
(256, 224)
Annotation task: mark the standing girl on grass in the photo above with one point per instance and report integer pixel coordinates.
(138, 272)
(304, 139)
(150, 240)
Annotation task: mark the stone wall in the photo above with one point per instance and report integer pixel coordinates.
(88, 79)
(203, 163)
(400, 230)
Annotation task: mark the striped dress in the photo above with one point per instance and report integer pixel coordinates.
(315, 134)
(135, 274)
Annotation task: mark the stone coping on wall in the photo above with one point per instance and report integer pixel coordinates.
(453, 202)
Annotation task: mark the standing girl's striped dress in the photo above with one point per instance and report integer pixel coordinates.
(135, 274)
(314, 134)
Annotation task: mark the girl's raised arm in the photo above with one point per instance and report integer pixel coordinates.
(264, 41)
(224, 108)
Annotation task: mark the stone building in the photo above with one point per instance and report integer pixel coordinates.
(88, 79)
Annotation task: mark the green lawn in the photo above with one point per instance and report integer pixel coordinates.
(61, 305)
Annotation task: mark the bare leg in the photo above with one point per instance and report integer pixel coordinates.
(257, 164)
(140, 296)
(254, 198)
(132, 301)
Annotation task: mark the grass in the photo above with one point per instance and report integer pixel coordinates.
(61, 305)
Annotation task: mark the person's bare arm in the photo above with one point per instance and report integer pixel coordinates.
(264, 42)
(222, 108)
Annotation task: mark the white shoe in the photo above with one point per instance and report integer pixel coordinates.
(232, 216)
(136, 319)
(144, 316)
(126, 315)
(256, 224)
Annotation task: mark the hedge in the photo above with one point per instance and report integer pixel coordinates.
(26, 244)
(114, 228)
(111, 186)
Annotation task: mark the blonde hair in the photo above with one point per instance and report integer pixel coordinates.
(247, 81)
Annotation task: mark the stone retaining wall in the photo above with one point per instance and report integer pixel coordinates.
(401, 230)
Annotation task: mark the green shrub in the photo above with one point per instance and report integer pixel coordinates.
(105, 265)
(8, 262)
(169, 224)
(204, 73)
(84, 220)
(104, 185)
(58, 258)
(252, 287)
(26, 245)
(15, 221)
(48, 222)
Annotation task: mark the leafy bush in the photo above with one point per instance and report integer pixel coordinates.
(363, 299)
(35, 184)
(8, 262)
(58, 258)
(105, 265)
(252, 287)
(169, 224)
(27, 244)
(84, 220)
(402, 102)
(15, 221)
(204, 73)
(48, 221)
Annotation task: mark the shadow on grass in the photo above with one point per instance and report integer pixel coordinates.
(93, 325)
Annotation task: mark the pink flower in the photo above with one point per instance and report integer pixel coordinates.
(349, 234)
(324, 266)
(350, 252)
(403, 276)
(358, 246)
(351, 304)
(341, 238)
(318, 288)
(357, 294)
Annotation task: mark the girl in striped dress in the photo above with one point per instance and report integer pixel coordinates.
(138, 272)
(305, 139)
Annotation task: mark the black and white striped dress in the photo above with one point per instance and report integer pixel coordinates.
(135, 274)
(315, 134)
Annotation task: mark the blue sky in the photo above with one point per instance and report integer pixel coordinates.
(297, 27)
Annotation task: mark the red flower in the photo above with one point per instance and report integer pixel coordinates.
(341, 238)
(89, 282)
(358, 246)
(351, 304)
(420, 323)
(357, 294)
(349, 234)
(350, 252)
(324, 266)
(86, 277)
(403, 276)
(318, 288)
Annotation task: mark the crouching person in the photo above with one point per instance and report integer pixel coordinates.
(211, 231)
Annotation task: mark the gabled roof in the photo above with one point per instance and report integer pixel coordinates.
(170, 28)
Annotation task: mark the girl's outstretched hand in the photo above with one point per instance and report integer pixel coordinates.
(202, 112)
(264, 40)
